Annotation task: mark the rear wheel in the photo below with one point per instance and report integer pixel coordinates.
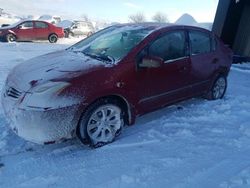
(101, 123)
(10, 37)
(89, 33)
(71, 34)
(218, 89)
(53, 38)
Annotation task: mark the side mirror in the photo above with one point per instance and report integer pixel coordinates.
(151, 62)
(20, 27)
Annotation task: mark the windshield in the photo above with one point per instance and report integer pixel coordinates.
(15, 24)
(113, 43)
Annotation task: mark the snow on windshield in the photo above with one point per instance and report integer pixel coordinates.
(114, 42)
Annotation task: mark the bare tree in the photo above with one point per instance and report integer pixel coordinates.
(137, 18)
(160, 17)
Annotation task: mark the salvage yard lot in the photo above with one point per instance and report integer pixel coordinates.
(193, 144)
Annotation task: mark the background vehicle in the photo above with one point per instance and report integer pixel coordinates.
(7, 18)
(5, 25)
(78, 28)
(50, 19)
(96, 86)
(31, 30)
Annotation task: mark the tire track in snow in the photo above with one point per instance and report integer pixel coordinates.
(219, 173)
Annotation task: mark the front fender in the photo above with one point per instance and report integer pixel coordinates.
(12, 32)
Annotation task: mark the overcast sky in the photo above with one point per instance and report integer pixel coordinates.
(113, 10)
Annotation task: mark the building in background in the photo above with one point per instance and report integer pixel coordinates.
(232, 24)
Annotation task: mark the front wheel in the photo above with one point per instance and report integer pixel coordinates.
(218, 89)
(10, 37)
(101, 123)
(53, 38)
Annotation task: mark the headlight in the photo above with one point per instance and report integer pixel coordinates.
(45, 96)
(51, 87)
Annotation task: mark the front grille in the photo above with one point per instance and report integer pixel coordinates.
(12, 92)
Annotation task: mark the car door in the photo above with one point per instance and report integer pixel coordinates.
(25, 31)
(41, 30)
(204, 60)
(169, 82)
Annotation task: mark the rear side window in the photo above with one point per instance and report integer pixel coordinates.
(200, 42)
(41, 25)
(170, 46)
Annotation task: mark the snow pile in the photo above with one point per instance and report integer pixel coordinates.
(187, 19)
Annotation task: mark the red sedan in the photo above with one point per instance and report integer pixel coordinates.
(31, 30)
(105, 81)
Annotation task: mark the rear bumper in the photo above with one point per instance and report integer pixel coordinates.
(39, 125)
(61, 35)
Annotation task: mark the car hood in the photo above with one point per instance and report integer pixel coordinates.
(60, 65)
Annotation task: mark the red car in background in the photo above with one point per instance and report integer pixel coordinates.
(31, 30)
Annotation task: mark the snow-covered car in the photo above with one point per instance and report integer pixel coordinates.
(7, 19)
(79, 28)
(105, 81)
(31, 30)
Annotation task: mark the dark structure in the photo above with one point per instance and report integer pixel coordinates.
(232, 24)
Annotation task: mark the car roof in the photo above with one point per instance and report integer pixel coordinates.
(159, 26)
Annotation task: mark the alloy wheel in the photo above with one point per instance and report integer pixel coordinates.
(219, 88)
(104, 124)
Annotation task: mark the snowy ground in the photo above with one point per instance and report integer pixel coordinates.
(194, 144)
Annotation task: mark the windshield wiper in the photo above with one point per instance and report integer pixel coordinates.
(100, 57)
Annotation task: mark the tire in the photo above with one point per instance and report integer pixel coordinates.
(10, 37)
(53, 38)
(71, 34)
(66, 34)
(218, 89)
(89, 34)
(101, 123)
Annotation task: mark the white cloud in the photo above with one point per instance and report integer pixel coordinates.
(132, 5)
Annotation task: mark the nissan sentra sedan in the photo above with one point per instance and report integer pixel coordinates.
(105, 81)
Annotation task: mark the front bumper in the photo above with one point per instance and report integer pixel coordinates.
(40, 126)
(2, 38)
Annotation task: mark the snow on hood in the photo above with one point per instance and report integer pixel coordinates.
(56, 65)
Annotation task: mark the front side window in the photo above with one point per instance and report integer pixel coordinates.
(26, 25)
(200, 42)
(169, 47)
(41, 25)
